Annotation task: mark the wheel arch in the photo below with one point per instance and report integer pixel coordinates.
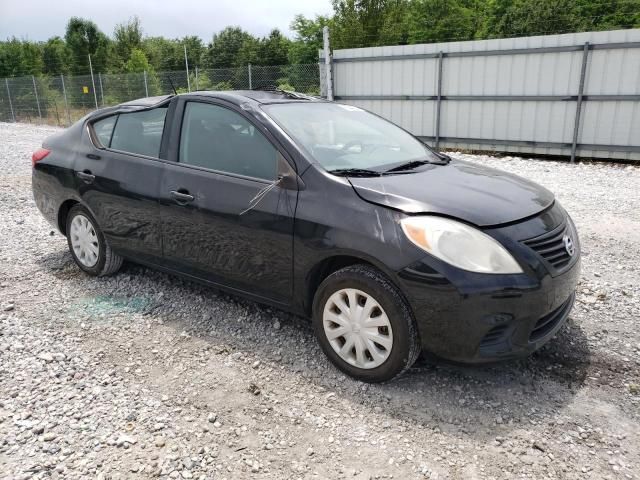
(325, 267)
(63, 213)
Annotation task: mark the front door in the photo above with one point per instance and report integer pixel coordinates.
(211, 229)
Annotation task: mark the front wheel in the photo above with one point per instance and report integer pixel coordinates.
(364, 325)
(88, 246)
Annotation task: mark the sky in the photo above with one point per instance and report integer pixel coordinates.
(40, 19)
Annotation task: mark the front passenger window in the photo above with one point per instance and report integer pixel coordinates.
(139, 132)
(220, 139)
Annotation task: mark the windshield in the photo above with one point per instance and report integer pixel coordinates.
(346, 137)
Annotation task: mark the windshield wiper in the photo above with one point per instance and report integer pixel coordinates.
(408, 165)
(355, 172)
(442, 160)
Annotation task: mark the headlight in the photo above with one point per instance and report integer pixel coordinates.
(460, 245)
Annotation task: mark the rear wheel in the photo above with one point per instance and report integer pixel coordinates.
(364, 325)
(87, 244)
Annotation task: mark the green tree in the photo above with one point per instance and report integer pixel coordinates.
(32, 58)
(55, 56)
(225, 47)
(164, 54)
(127, 37)
(274, 49)
(396, 24)
(19, 57)
(249, 52)
(515, 18)
(614, 14)
(137, 62)
(354, 23)
(308, 38)
(134, 84)
(83, 38)
(439, 21)
(196, 51)
(359, 23)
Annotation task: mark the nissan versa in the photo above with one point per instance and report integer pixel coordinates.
(321, 209)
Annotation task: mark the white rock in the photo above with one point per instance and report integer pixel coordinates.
(123, 439)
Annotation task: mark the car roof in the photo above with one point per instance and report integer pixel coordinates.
(146, 101)
(238, 97)
(234, 96)
(258, 96)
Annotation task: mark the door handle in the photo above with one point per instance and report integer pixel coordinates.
(181, 198)
(86, 176)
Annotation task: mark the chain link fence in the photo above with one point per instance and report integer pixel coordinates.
(63, 99)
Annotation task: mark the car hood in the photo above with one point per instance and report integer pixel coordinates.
(479, 195)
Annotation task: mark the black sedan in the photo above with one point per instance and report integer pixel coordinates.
(324, 210)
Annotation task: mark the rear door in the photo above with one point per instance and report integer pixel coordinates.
(222, 160)
(118, 176)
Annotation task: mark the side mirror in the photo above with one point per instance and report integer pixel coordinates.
(287, 177)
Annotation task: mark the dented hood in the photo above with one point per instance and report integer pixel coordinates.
(479, 195)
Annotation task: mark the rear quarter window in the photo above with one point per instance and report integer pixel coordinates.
(103, 130)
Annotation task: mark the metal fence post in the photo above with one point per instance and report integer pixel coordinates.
(101, 90)
(250, 80)
(146, 87)
(35, 91)
(55, 104)
(186, 64)
(6, 81)
(66, 104)
(327, 62)
(197, 86)
(439, 101)
(576, 125)
(93, 82)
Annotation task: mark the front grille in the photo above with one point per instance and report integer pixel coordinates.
(551, 246)
(547, 323)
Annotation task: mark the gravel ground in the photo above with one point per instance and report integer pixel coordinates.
(146, 375)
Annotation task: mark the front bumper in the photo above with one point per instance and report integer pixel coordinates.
(475, 318)
(493, 323)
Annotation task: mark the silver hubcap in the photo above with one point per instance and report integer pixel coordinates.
(357, 328)
(84, 241)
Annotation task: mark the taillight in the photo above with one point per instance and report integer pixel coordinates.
(39, 155)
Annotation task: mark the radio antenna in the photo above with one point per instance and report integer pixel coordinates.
(172, 85)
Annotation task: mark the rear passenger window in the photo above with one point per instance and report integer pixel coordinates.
(139, 132)
(220, 139)
(103, 130)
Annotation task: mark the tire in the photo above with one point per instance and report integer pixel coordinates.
(363, 282)
(105, 262)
